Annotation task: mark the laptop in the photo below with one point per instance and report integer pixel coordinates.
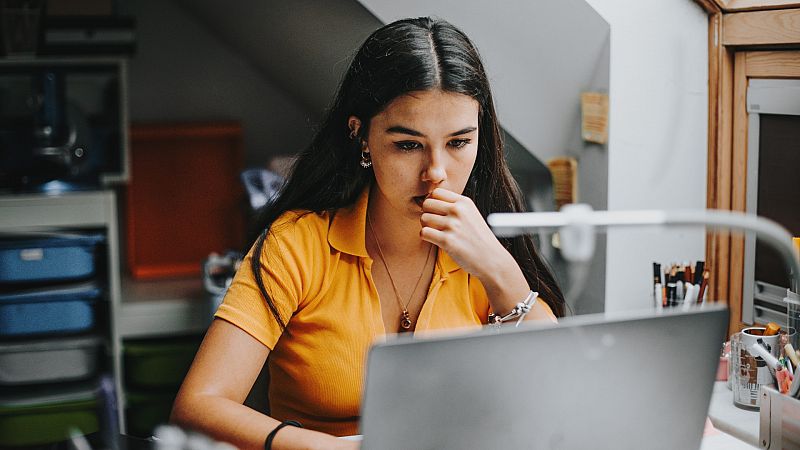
(628, 381)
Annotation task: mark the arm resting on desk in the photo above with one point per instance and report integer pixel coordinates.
(210, 399)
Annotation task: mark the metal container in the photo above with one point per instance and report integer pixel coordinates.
(750, 372)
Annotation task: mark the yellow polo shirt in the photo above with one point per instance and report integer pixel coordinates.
(318, 273)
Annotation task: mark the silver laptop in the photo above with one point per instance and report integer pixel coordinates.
(633, 381)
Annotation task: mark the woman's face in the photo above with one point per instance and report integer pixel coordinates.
(421, 141)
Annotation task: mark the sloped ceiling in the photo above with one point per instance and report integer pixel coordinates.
(539, 55)
(303, 46)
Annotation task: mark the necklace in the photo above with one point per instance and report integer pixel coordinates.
(405, 317)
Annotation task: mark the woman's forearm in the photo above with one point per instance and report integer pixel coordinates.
(505, 285)
(228, 421)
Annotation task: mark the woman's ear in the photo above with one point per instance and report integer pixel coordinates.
(354, 124)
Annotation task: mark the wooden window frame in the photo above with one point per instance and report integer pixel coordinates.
(746, 39)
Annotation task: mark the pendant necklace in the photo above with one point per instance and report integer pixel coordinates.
(405, 317)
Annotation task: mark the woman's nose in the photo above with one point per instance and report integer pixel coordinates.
(434, 171)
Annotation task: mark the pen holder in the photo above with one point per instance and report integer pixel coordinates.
(750, 372)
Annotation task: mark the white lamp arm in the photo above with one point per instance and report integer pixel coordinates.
(580, 222)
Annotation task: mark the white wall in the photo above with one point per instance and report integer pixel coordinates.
(657, 135)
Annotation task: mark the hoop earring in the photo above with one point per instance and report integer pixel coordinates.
(352, 134)
(366, 160)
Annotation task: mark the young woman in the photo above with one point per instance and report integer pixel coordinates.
(380, 229)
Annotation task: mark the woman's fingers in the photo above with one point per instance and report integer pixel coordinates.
(434, 236)
(444, 202)
(436, 206)
(444, 194)
(439, 222)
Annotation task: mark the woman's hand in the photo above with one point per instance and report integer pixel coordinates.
(453, 223)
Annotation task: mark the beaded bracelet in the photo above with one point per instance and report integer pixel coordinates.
(518, 312)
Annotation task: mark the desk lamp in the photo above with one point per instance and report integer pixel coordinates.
(577, 223)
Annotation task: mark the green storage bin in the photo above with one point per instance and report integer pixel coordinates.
(47, 416)
(159, 364)
(147, 410)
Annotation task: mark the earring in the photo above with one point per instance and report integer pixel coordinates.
(352, 134)
(366, 160)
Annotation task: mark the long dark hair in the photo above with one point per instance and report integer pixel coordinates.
(399, 58)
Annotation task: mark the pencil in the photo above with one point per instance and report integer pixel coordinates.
(703, 286)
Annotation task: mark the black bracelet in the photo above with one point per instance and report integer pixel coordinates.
(271, 435)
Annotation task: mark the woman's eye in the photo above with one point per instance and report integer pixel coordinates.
(458, 143)
(407, 146)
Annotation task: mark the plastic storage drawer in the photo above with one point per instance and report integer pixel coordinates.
(56, 310)
(48, 361)
(47, 416)
(47, 257)
(159, 364)
(147, 410)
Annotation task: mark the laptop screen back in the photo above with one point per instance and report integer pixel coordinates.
(639, 381)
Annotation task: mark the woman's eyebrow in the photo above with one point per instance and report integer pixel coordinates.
(403, 130)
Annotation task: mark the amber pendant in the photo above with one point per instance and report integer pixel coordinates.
(405, 321)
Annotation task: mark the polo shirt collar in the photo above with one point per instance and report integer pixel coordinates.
(348, 228)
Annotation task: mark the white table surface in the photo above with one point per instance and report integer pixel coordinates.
(724, 441)
(738, 423)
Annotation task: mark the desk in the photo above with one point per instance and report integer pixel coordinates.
(723, 441)
(737, 422)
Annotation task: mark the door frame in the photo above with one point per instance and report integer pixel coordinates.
(746, 39)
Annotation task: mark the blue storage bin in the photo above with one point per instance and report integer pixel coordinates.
(47, 257)
(47, 311)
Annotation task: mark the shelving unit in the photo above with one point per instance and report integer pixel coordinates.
(77, 211)
(95, 89)
(136, 309)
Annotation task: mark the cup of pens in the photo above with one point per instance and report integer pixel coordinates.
(680, 285)
(761, 356)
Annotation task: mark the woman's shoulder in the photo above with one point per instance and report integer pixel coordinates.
(304, 225)
(318, 230)
(302, 217)
(296, 242)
